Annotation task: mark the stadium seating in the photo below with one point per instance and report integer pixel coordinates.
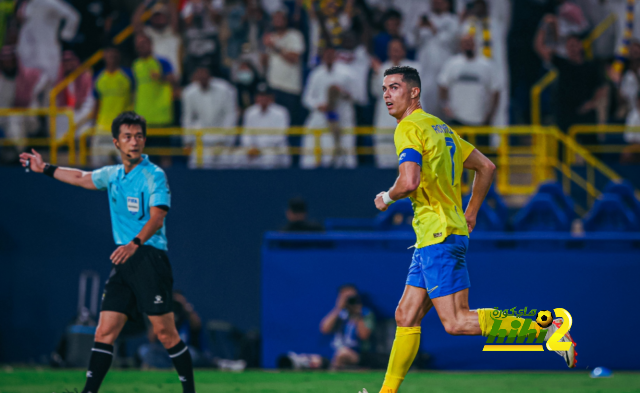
(488, 218)
(609, 214)
(541, 214)
(560, 198)
(626, 193)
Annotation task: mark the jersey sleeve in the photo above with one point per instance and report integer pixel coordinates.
(408, 136)
(160, 193)
(167, 68)
(465, 148)
(101, 176)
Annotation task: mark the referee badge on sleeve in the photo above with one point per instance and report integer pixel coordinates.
(133, 205)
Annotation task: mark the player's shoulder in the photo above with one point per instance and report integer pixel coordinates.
(107, 172)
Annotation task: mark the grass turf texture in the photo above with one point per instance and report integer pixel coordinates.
(50, 381)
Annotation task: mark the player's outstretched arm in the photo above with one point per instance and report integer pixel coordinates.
(71, 176)
(407, 182)
(484, 169)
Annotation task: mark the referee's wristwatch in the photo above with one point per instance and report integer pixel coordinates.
(137, 241)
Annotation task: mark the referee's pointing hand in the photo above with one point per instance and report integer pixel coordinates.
(122, 253)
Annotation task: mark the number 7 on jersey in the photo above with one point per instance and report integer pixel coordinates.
(451, 144)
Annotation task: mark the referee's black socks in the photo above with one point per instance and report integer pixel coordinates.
(101, 356)
(181, 359)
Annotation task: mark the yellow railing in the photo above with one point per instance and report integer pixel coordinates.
(68, 139)
(525, 157)
(549, 77)
(84, 67)
(603, 129)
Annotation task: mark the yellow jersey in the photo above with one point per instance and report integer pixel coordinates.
(437, 203)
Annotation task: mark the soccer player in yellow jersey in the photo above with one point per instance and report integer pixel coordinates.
(431, 158)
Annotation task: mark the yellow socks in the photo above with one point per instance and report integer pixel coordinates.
(487, 322)
(405, 348)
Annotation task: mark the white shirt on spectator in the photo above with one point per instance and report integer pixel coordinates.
(215, 107)
(316, 94)
(282, 75)
(499, 20)
(38, 43)
(166, 44)
(433, 51)
(358, 62)
(629, 88)
(266, 130)
(471, 83)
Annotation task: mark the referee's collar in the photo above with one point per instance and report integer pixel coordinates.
(143, 162)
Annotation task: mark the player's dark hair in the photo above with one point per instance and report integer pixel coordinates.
(297, 205)
(128, 118)
(410, 75)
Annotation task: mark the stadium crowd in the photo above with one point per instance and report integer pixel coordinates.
(267, 65)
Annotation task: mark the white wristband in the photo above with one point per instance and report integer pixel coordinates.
(387, 199)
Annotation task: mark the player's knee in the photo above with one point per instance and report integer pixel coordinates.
(453, 328)
(404, 318)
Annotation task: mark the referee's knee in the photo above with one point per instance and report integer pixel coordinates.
(167, 335)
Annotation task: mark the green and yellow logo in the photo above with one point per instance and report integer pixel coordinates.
(522, 336)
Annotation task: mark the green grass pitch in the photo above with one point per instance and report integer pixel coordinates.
(54, 381)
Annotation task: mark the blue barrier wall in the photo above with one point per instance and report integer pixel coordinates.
(50, 232)
(595, 279)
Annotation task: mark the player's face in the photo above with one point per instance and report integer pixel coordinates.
(130, 142)
(396, 95)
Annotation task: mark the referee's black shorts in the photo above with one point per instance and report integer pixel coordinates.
(143, 284)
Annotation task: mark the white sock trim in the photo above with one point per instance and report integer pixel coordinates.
(179, 353)
(102, 350)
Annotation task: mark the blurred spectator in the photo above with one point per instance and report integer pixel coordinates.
(39, 40)
(354, 56)
(77, 96)
(328, 95)
(154, 81)
(285, 47)
(113, 91)
(468, 86)
(351, 325)
(201, 37)
(411, 12)
(246, 79)
(437, 42)
(189, 327)
(581, 83)
(163, 32)
(595, 12)
(247, 23)
(19, 88)
(210, 103)
(96, 17)
(488, 23)
(383, 122)
(568, 21)
(630, 90)
(264, 134)
(297, 218)
(329, 19)
(392, 21)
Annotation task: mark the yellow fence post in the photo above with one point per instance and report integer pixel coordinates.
(199, 149)
(536, 91)
(317, 148)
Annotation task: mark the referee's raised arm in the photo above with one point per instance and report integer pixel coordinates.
(71, 176)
